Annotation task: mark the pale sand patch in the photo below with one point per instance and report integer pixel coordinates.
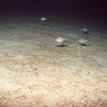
(38, 83)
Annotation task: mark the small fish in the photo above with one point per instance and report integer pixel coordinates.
(83, 42)
(85, 30)
(60, 41)
(43, 18)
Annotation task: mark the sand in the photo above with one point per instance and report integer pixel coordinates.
(34, 72)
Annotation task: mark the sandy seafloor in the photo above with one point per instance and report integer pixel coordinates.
(34, 72)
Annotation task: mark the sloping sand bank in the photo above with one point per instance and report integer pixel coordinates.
(34, 72)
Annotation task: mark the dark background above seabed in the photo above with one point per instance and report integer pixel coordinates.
(91, 8)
